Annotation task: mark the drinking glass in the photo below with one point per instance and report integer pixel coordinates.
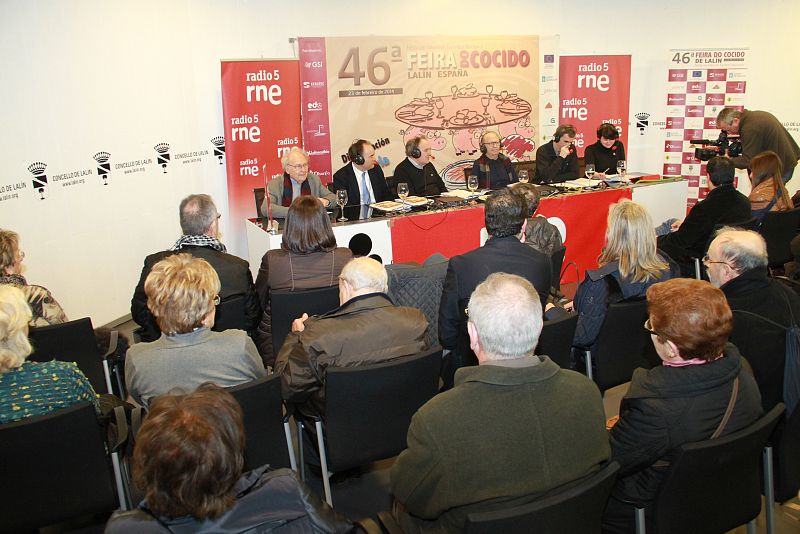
(621, 167)
(402, 191)
(472, 183)
(589, 170)
(523, 176)
(341, 199)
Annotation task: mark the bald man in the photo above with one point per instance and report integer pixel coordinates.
(737, 263)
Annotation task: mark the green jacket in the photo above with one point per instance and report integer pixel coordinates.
(501, 437)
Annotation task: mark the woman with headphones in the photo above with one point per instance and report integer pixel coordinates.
(493, 169)
(606, 152)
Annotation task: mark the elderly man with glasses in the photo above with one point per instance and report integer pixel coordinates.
(296, 181)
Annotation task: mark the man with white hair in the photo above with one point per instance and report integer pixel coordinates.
(737, 264)
(366, 328)
(512, 428)
(296, 181)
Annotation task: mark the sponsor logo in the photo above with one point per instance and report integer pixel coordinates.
(697, 74)
(688, 157)
(692, 134)
(549, 58)
(735, 87)
(715, 99)
(219, 148)
(695, 111)
(677, 75)
(673, 146)
(162, 149)
(642, 120)
(314, 106)
(716, 74)
(39, 179)
(696, 87)
(103, 166)
(313, 85)
(710, 123)
(674, 123)
(676, 99)
(672, 169)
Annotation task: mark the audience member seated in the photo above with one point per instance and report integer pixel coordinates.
(737, 264)
(768, 193)
(418, 171)
(295, 182)
(723, 205)
(682, 401)
(505, 215)
(188, 463)
(200, 226)
(512, 428)
(182, 292)
(28, 389)
(606, 152)
(367, 328)
(629, 264)
(557, 160)
(493, 169)
(45, 309)
(539, 234)
(308, 258)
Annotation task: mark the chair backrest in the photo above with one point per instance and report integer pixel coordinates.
(419, 287)
(288, 305)
(391, 183)
(786, 443)
(368, 408)
(556, 340)
(230, 315)
(575, 507)
(714, 485)
(258, 196)
(556, 263)
(263, 422)
(778, 229)
(622, 344)
(55, 467)
(73, 341)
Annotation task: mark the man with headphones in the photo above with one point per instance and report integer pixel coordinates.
(418, 171)
(493, 169)
(557, 160)
(362, 178)
(606, 152)
(723, 205)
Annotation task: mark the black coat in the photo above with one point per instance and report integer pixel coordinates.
(666, 407)
(345, 178)
(722, 205)
(465, 272)
(762, 344)
(235, 281)
(421, 182)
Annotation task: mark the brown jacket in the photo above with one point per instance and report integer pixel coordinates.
(281, 269)
(367, 329)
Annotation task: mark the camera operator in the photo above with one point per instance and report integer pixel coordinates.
(760, 131)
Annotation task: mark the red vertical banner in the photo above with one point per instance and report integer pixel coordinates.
(594, 90)
(314, 102)
(261, 113)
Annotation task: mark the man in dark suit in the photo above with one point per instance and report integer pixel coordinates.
(200, 226)
(505, 218)
(723, 205)
(362, 178)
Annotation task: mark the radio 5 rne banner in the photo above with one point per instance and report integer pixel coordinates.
(261, 110)
(388, 90)
(594, 90)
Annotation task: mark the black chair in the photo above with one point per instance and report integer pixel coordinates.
(230, 314)
(575, 507)
(778, 230)
(749, 224)
(786, 444)
(714, 485)
(419, 286)
(621, 346)
(74, 341)
(556, 263)
(288, 305)
(55, 468)
(269, 440)
(368, 410)
(258, 196)
(556, 340)
(391, 183)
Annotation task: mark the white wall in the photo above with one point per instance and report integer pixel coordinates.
(79, 77)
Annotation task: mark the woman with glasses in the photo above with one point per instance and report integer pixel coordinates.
(296, 181)
(45, 309)
(684, 400)
(182, 293)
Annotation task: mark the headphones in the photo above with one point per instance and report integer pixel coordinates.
(483, 146)
(355, 151)
(563, 129)
(412, 148)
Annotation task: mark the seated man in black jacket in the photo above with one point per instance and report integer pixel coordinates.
(200, 225)
(557, 160)
(723, 205)
(417, 170)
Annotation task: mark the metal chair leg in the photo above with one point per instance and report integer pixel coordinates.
(323, 460)
(640, 521)
(589, 372)
(299, 426)
(289, 445)
(751, 527)
(122, 495)
(697, 273)
(769, 489)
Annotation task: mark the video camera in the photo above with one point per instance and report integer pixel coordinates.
(722, 145)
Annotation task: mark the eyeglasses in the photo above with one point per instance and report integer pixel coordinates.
(299, 166)
(492, 143)
(707, 261)
(216, 300)
(649, 328)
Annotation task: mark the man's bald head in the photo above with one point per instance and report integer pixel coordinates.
(740, 250)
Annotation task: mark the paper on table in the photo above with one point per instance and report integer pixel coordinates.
(463, 193)
(583, 182)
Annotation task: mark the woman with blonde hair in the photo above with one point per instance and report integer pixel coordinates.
(182, 293)
(628, 264)
(768, 193)
(32, 388)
